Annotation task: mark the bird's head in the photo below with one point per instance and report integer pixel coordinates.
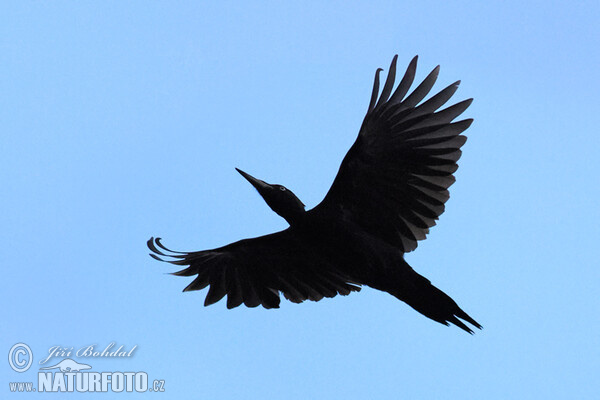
(281, 200)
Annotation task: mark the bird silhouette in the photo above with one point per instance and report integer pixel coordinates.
(390, 189)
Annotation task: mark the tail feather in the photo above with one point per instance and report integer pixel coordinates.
(420, 294)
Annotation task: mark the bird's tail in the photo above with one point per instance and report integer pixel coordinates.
(418, 292)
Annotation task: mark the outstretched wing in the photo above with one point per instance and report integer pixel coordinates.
(394, 180)
(254, 271)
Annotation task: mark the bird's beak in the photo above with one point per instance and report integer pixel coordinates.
(257, 183)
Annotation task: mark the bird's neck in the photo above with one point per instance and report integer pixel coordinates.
(294, 217)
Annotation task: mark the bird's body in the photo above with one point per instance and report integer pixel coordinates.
(391, 187)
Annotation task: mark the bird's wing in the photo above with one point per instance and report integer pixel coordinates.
(254, 271)
(394, 180)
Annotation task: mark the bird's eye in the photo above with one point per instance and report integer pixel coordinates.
(282, 188)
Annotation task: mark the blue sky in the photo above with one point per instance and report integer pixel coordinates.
(125, 120)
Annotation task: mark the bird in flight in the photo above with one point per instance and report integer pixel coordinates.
(390, 189)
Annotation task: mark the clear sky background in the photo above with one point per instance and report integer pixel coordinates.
(125, 120)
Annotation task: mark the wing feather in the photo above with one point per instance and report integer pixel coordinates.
(255, 271)
(394, 180)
